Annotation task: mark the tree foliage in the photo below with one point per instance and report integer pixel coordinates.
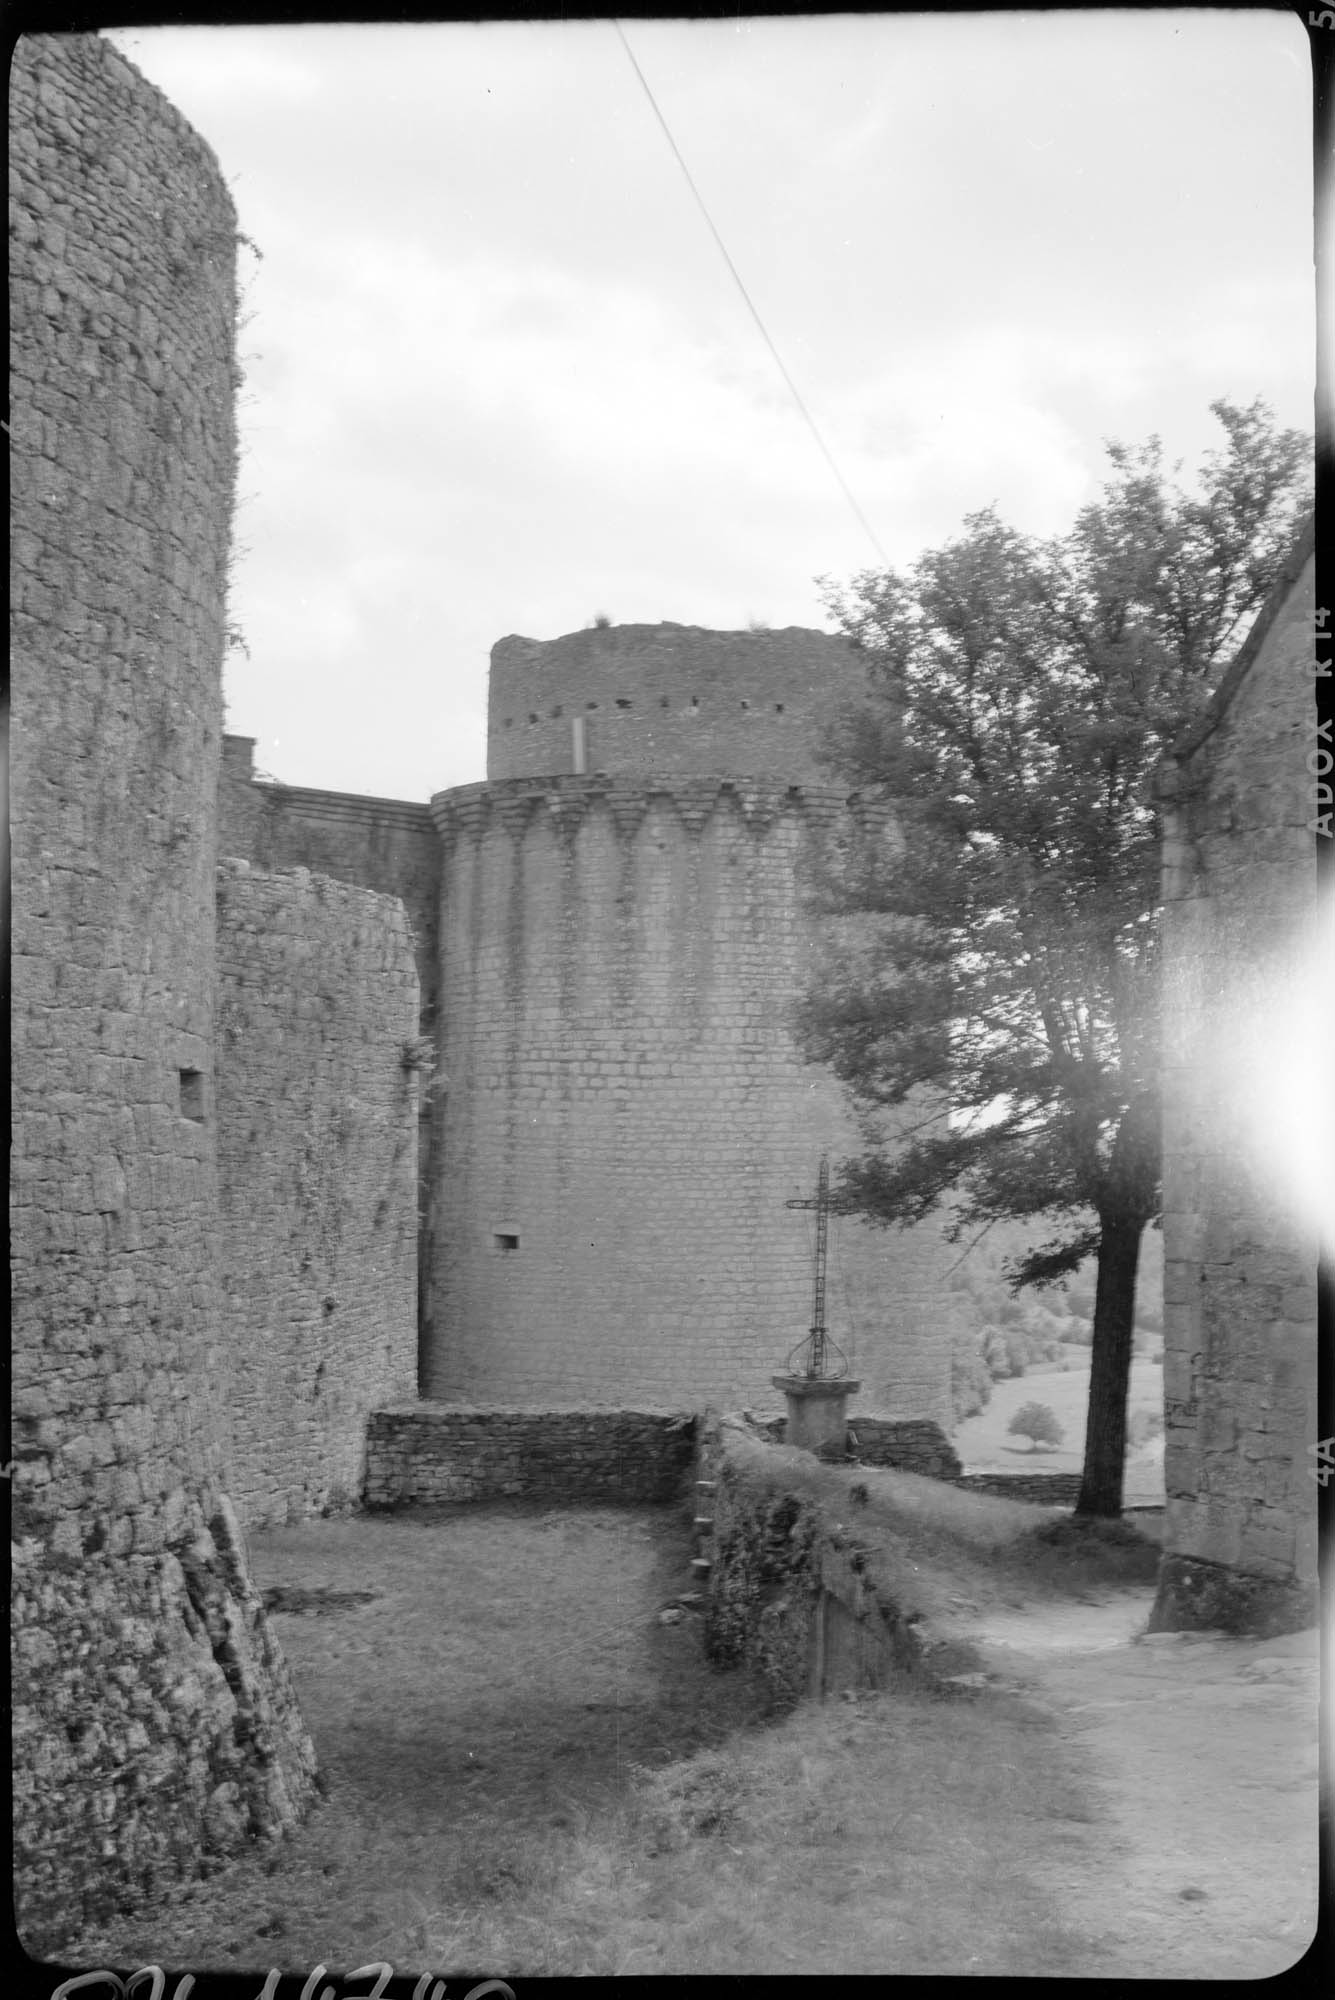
(1038, 1423)
(1004, 869)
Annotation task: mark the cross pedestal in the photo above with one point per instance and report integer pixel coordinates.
(817, 1412)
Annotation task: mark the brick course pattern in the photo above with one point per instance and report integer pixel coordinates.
(626, 1112)
(1239, 1260)
(424, 1452)
(122, 242)
(666, 700)
(317, 1118)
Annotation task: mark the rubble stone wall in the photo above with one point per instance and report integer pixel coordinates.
(389, 845)
(792, 1590)
(153, 1717)
(425, 1452)
(317, 1116)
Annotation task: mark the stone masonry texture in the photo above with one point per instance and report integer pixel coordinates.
(668, 699)
(427, 1453)
(609, 962)
(921, 1446)
(317, 1115)
(388, 845)
(792, 1591)
(625, 1112)
(1239, 1261)
(153, 1717)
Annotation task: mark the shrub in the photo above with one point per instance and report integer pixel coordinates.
(998, 1354)
(1038, 1423)
(970, 1385)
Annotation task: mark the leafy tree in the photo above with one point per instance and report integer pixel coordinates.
(1004, 868)
(1038, 1423)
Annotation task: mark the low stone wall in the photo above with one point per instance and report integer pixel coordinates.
(1041, 1489)
(916, 1444)
(792, 1591)
(909, 1444)
(430, 1452)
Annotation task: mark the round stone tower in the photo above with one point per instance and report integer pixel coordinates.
(623, 938)
(664, 700)
(154, 1720)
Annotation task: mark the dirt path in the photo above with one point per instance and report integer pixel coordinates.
(1204, 1749)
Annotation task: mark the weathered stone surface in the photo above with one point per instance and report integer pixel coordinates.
(1239, 1255)
(317, 1116)
(1211, 1596)
(667, 700)
(426, 1452)
(144, 1675)
(628, 1112)
(792, 1592)
(911, 1444)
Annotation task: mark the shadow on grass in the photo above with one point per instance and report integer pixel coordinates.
(529, 1774)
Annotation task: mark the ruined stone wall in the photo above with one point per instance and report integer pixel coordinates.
(317, 1120)
(153, 1717)
(424, 1453)
(389, 845)
(659, 699)
(626, 1113)
(796, 1585)
(1239, 1253)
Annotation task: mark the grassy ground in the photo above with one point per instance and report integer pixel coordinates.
(985, 1445)
(528, 1773)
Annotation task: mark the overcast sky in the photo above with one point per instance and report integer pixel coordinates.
(500, 380)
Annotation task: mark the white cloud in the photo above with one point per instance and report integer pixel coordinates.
(502, 378)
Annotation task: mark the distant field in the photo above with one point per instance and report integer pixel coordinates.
(984, 1446)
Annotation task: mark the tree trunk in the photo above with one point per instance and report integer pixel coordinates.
(1110, 1365)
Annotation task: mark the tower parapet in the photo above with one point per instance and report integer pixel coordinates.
(667, 699)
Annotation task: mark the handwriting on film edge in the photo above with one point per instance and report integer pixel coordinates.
(427, 1987)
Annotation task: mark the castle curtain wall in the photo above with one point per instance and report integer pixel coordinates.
(388, 845)
(153, 1715)
(317, 1119)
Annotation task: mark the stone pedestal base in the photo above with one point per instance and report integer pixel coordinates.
(817, 1412)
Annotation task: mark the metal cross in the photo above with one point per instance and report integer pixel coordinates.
(820, 1343)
